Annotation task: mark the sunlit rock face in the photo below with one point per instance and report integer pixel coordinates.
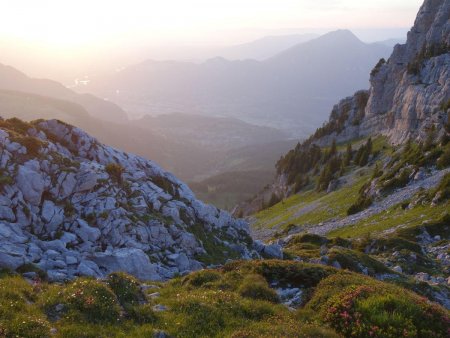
(409, 92)
(411, 87)
(73, 206)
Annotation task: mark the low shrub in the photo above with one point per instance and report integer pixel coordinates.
(5, 180)
(356, 261)
(201, 278)
(32, 144)
(141, 314)
(41, 274)
(24, 325)
(16, 125)
(398, 181)
(357, 306)
(115, 170)
(292, 273)
(442, 191)
(92, 300)
(126, 288)
(361, 204)
(444, 160)
(255, 287)
(309, 238)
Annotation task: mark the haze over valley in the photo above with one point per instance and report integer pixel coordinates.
(217, 117)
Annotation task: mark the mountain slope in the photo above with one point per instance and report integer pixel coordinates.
(73, 206)
(376, 177)
(408, 99)
(336, 63)
(264, 48)
(191, 146)
(13, 80)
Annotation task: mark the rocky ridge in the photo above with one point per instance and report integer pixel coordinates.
(409, 92)
(409, 97)
(72, 206)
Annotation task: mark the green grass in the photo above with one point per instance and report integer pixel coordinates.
(317, 207)
(392, 218)
(235, 301)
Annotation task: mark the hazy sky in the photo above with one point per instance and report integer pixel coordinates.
(82, 28)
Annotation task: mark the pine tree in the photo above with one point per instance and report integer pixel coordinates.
(333, 150)
(364, 159)
(348, 155)
(369, 145)
(325, 178)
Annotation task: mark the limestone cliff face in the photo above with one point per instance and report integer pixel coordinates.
(408, 93)
(73, 206)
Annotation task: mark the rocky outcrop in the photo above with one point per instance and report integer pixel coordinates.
(409, 92)
(73, 206)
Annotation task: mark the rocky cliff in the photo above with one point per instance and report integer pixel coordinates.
(409, 98)
(72, 206)
(409, 92)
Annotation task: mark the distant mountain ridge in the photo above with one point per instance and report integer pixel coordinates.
(12, 79)
(299, 84)
(265, 47)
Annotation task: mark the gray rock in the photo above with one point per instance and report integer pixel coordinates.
(154, 295)
(88, 268)
(71, 260)
(7, 214)
(336, 265)
(30, 182)
(132, 261)
(88, 224)
(270, 251)
(397, 269)
(159, 308)
(181, 261)
(56, 275)
(86, 180)
(9, 261)
(86, 232)
(52, 215)
(422, 276)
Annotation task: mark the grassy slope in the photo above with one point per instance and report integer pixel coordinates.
(309, 208)
(235, 301)
(392, 218)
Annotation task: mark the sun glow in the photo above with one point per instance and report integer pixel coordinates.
(50, 37)
(86, 22)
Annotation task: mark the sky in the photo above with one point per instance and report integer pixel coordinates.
(83, 30)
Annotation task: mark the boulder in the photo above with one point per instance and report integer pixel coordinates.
(7, 214)
(86, 232)
(181, 261)
(273, 251)
(30, 182)
(8, 261)
(88, 268)
(86, 181)
(397, 269)
(132, 261)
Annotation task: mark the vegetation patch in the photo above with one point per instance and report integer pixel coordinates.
(357, 306)
(115, 171)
